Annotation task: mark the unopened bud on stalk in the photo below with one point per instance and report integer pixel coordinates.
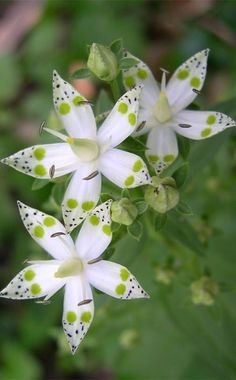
(204, 291)
(162, 195)
(123, 211)
(102, 62)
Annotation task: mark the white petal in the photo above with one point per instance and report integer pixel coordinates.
(190, 75)
(77, 318)
(81, 195)
(121, 121)
(114, 280)
(203, 124)
(35, 281)
(77, 117)
(141, 74)
(95, 234)
(38, 160)
(124, 169)
(163, 147)
(41, 227)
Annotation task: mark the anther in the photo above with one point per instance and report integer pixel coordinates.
(52, 171)
(141, 126)
(95, 260)
(196, 91)
(84, 302)
(92, 175)
(185, 125)
(57, 234)
(41, 127)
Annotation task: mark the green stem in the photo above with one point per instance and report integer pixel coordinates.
(115, 89)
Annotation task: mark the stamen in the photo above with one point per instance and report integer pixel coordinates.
(84, 302)
(185, 125)
(196, 91)
(52, 171)
(83, 102)
(95, 260)
(92, 175)
(57, 134)
(44, 302)
(141, 126)
(56, 234)
(41, 127)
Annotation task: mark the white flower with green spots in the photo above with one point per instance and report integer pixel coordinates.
(75, 266)
(163, 110)
(85, 151)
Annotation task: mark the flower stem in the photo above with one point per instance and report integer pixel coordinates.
(115, 89)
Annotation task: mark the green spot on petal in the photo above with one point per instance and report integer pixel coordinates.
(169, 158)
(211, 119)
(87, 206)
(38, 232)
(206, 132)
(64, 108)
(94, 220)
(35, 289)
(72, 203)
(39, 153)
(49, 221)
(124, 274)
(142, 74)
(86, 317)
(29, 275)
(183, 74)
(137, 166)
(71, 316)
(130, 82)
(77, 100)
(107, 230)
(40, 170)
(123, 107)
(195, 82)
(120, 289)
(129, 180)
(153, 158)
(132, 119)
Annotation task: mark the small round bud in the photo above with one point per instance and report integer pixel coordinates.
(162, 195)
(129, 338)
(204, 291)
(102, 62)
(164, 275)
(123, 211)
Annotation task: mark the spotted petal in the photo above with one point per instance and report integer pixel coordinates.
(77, 317)
(124, 169)
(122, 120)
(202, 124)
(95, 234)
(163, 148)
(73, 109)
(34, 281)
(44, 161)
(141, 74)
(114, 280)
(81, 195)
(186, 79)
(42, 227)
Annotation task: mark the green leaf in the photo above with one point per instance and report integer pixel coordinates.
(103, 103)
(180, 175)
(127, 63)
(117, 46)
(105, 197)
(184, 209)
(141, 206)
(81, 73)
(133, 145)
(58, 193)
(39, 184)
(125, 193)
(135, 230)
(184, 146)
(109, 252)
(160, 221)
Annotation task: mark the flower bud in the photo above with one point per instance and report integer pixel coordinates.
(162, 195)
(204, 291)
(129, 338)
(164, 275)
(123, 211)
(102, 62)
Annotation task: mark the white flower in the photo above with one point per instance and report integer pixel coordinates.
(76, 266)
(164, 112)
(86, 151)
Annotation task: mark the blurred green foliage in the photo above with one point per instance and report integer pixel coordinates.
(166, 337)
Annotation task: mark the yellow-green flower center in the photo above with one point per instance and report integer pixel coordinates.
(162, 109)
(87, 150)
(71, 267)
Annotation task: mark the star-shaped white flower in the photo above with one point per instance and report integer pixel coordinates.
(86, 151)
(163, 110)
(75, 266)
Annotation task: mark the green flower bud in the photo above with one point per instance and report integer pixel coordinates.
(123, 211)
(162, 195)
(129, 338)
(204, 291)
(164, 275)
(102, 62)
